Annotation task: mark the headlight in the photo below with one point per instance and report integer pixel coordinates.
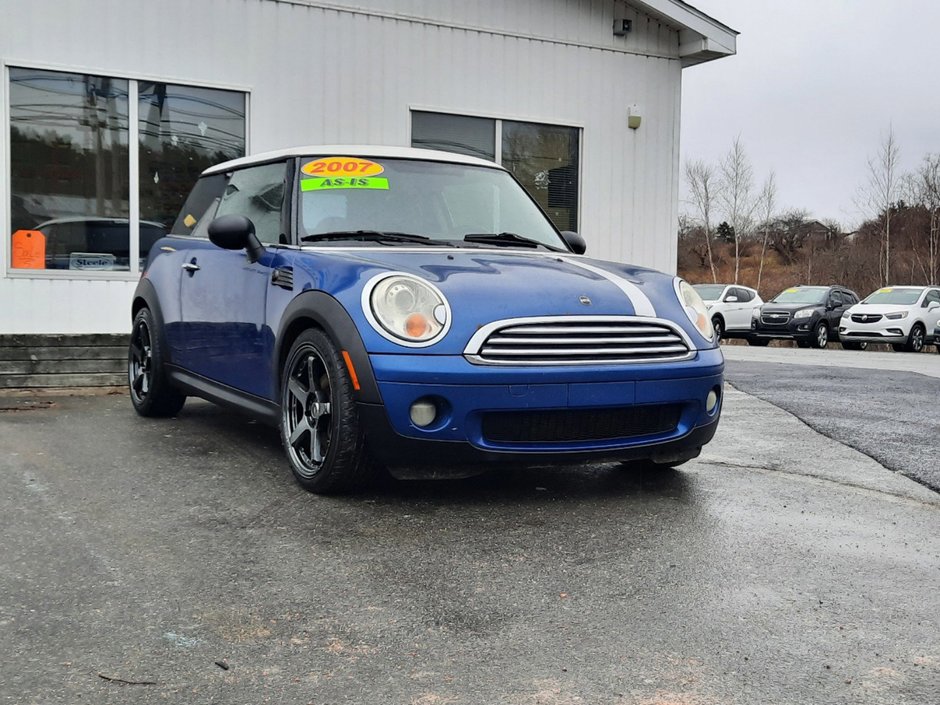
(846, 315)
(694, 308)
(755, 313)
(803, 313)
(896, 316)
(406, 309)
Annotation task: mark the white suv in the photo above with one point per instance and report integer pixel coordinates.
(904, 316)
(730, 306)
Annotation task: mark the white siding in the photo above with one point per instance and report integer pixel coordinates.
(317, 73)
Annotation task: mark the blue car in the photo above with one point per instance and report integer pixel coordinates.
(417, 311)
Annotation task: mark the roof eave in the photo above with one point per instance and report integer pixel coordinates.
(701, 38)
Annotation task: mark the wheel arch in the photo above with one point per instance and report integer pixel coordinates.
(317, 309)
(145, 296)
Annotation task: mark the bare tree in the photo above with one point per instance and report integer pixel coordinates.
(880, 193)
(736, 197)
(703, 192)
(923, 189)
(768, 204)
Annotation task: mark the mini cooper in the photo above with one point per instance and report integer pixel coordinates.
(417, 311)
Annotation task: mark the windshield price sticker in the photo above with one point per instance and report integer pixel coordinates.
(379, 184)
(342, 166)
(791, 291)
(886, 290)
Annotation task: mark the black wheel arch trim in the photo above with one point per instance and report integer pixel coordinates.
(330, 315)
(147, 293)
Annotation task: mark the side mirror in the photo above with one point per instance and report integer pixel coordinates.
(574, 241)
(731, 299)
(236, 232)
(933, 306)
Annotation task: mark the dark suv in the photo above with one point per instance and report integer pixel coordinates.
(807, 314)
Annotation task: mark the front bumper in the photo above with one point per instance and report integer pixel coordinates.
(794, 329)
(883, 331)
(470, 397)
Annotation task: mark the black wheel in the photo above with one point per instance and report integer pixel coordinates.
(758, 342)
(151, 392)
(854, 345)
(802, 343)
(820, 337)
(719, 325)
(320, 427)
(915, 341)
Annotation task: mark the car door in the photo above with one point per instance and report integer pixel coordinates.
(223, 294)
(932, 315)
(835, 309)
(735, 310)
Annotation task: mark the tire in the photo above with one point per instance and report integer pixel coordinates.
(802, 343)
(915, 341)
(758, 342)
(320, 427)
(151, 393)
(719, 325)
(850, 345)
(820, 337)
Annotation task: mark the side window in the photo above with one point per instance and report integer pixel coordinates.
(849, 298)
(732, 292)
(257, 193)
(835, 298)
(745, 295)
(933, 297)
(200, 207)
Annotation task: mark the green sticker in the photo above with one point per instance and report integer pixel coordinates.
(318, 184)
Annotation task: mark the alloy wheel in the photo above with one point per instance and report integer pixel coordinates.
(308, 412)
(917, 339)
(140, 369)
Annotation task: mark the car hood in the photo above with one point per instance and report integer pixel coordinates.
(769, 306)
(881, 309)
(483, 286)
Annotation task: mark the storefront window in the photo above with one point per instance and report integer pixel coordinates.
(69, 157)
(68, 170)
(544, 158)
(182, 131)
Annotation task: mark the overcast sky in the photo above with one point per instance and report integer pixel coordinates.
(812, 92)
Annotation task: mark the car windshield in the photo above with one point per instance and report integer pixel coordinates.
(903, 297)
(343, 197)
(802, 295)
(709, 292)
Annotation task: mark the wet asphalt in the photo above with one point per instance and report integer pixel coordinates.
(179, 555)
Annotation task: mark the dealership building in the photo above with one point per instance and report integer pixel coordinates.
(111, 108)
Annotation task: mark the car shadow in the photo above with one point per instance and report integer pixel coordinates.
(498, 483)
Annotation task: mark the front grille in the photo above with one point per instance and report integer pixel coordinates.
(866, 317)
(571, 425)
(775, 318)
(579, 340)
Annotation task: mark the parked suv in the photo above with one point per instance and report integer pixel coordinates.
(807, 314)
(904, 316)
(730, 307)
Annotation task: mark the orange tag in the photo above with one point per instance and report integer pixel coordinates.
(29, 249)
(342, 166)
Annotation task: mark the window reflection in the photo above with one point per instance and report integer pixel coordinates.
(68, 168)
(183, 130)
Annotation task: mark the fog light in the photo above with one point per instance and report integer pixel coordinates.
(423, 412)
(711, 401)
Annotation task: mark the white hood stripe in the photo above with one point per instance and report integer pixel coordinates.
(641, 303)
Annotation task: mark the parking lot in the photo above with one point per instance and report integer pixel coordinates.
(177, 561)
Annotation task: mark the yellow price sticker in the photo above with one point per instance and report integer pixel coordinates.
(342, 166)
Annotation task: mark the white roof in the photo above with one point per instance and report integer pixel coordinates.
(352, 150)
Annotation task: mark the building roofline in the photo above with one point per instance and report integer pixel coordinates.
(701, 37)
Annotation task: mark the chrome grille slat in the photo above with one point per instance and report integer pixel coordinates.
(572, 340)
(555, 330)
(578, 340)
(582, 352)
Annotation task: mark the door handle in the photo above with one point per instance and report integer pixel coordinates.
(191, 267)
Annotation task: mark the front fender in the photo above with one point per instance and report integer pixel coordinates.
(329, 314)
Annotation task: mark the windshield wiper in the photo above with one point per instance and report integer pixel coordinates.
(506, 240)
(374, 236)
